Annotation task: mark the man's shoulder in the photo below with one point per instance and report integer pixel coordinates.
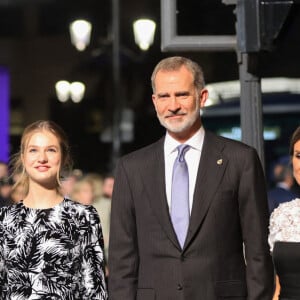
(145, 152)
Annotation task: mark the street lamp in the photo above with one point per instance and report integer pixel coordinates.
(77, 90)
(80, 31)
(66, 90)
(62, 89)
(143, 29)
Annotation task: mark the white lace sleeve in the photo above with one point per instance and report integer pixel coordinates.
(285, 223)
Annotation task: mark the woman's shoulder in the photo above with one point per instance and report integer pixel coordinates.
(76, 208)
(285, 222)
(10, 208)
(287, 210)
(9, 215)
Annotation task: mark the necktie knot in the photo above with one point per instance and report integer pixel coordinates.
(182, 149)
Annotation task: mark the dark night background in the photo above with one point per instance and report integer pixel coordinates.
(35, 46)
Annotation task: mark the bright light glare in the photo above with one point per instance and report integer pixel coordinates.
(80, 31)
(144, 33)
(232, 89)
(77, 90)
(62, 89)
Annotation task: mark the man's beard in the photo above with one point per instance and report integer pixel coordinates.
(180, 126)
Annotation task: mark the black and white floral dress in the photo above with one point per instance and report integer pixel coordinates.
(54, 253)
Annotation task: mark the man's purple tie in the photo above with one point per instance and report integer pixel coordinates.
(180, 212)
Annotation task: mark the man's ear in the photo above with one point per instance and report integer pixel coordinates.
(154, 100)
(203, 97)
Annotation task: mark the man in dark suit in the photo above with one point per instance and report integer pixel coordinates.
(224, 252)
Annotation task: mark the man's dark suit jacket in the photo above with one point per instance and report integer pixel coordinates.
(229, 208)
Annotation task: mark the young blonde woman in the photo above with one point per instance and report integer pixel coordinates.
(50, 247)
(284, 238)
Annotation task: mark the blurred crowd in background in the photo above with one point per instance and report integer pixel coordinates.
(86, 188)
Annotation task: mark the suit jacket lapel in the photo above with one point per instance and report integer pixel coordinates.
(211, 169)
(154, 182)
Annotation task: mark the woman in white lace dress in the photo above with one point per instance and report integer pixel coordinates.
(284, 238)
(50, 246)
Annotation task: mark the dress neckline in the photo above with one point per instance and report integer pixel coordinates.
(42, 209)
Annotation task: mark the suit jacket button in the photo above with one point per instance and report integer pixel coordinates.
(179, 287)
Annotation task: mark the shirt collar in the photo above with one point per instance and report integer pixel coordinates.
(196, 141)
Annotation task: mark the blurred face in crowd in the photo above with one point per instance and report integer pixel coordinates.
(108, 186)
(67, 185)
(42, 158)
(5, 190)
(296, 161)
(83, 192)
(3, 170)
(177, 102)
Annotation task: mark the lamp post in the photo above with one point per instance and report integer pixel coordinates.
(118, 101)
(144, 30)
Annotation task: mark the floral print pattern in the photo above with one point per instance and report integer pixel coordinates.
(54, 253)
(285, 223)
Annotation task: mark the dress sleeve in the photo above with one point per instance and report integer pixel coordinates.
(93, 279)
(272, 231)
(279, 222)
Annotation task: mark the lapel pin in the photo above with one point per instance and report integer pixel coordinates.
(219, 161)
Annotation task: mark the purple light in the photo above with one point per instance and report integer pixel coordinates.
(4, 114)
